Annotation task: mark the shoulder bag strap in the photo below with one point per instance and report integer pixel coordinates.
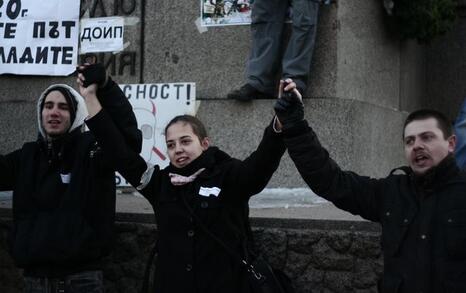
(249, 267)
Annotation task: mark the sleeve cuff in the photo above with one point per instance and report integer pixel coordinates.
(297, 129)
(108, 85)
(90, 121)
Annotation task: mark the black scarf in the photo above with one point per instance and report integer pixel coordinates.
(205, 160)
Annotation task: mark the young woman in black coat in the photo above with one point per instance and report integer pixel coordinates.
(200, 179)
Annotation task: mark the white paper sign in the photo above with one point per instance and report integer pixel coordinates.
(39, 37)
(225, 12)
(154, 106)
(103, 34)
(229, 12)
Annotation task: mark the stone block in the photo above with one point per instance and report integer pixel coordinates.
(324, 70)
(18, 124)
(177, 51)
(325, 258)
(296, 264)
(272, 242)
(338, 281)
(319, 269)
(366, 245)
(348, 128)
(25, 88)
(364, 275)
(339, 242)
(354, 57)
(368, 67)
(446, 69)
(356, 71)
(311, 280)
(302, 242)
(216, 59)
(413, 64)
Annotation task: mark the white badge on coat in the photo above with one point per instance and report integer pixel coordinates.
(208, 191)
(65, 178)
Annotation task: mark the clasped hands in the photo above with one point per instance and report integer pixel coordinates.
(289, 107)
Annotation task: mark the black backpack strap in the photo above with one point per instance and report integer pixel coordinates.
(250, 247)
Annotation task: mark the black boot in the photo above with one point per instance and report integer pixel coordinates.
(247, 93)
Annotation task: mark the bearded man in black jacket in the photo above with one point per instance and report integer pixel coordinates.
(64, 190)
(422, 211)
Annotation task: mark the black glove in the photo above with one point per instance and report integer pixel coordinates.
(94, 73)
(289, 110)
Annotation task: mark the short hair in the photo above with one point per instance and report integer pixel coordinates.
(442, 121)
(196, 124)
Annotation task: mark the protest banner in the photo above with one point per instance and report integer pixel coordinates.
(102, 34)
(154, 106)
(39, 37)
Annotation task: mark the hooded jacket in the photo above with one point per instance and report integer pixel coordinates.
(423, 219)
(64, 191)
(189, 260)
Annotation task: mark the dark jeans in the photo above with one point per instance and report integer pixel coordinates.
(84, 282)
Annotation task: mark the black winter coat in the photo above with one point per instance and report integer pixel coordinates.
(61, 228)
(188, 259)
(423, 221)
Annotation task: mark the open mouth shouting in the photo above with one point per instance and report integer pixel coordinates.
(421, 159)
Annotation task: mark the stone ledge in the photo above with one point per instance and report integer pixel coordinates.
(323, 258)
(280, 223)
(299, 224)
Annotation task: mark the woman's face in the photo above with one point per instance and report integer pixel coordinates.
(183, 146)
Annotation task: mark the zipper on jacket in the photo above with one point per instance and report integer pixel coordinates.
(49, 152)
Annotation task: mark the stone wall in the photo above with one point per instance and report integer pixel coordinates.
(362, 79)
(446, 67)
(319, 256)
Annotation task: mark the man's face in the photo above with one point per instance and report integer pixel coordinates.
(425, 145)
(55, 114)
(183, 145)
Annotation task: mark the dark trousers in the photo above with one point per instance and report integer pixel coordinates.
(83, 282)
(265, 60)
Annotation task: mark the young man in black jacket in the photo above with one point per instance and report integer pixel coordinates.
(64, 190)
(422, 210)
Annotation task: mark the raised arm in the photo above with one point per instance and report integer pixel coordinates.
(253, 173)
(94, 79)
(347, 190)
(111, 138)
(126, 161)
(460, 131)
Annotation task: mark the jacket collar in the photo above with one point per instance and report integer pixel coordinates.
(446, 170)
(60, 150)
